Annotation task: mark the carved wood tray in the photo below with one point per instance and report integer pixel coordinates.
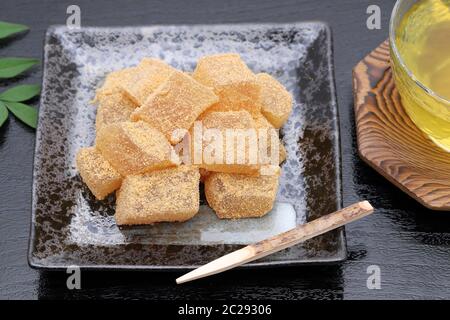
(390, 142)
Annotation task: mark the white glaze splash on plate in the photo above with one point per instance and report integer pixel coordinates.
(204, 229)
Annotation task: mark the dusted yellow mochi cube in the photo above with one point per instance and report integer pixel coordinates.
(219, 70)
(228, 142)
(164, 195)
(238, 97)
(276, 101)
(148, 75)
(175, 105)
(100, 177)
(262, 122)
(113, 108)
(241, 196)
(232, 81)
(135, 147)
(113, 82)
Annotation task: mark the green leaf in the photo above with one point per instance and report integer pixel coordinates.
(23, 112)
(21, 93)
(11, 67)
(3, 114)
(8, 29)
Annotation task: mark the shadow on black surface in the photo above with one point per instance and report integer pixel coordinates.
(269, 283)
(6, 84)
(3, 130)
(9, 40)
(6, 125)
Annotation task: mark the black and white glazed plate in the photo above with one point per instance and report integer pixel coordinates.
(69, 227)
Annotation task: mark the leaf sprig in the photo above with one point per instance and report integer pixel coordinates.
(12, 100)
(11, 67)
(9, 29)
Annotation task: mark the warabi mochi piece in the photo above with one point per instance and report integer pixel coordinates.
(164, 195)
(222, 69)
(229, 120)
(100, 177)
(113, 82)
(276, 101)
(113, 108)
(175, 105)
(146, 77)
(135, 147)
(269, 169)
(240, 126)
(232, 81)
(236, 97)
(240, 196)
(262, 123)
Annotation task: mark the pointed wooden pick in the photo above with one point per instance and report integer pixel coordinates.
(282, 241)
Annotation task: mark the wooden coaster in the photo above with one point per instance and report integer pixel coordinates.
(390, 142)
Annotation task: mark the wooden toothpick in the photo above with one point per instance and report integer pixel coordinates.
(282, 241)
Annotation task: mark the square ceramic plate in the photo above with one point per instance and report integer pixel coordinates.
(69, 227)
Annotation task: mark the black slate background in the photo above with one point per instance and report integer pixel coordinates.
(409, 243)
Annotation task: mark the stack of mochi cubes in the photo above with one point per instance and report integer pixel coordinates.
(144, 114)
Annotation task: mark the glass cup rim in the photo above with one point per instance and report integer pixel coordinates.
(394, 49)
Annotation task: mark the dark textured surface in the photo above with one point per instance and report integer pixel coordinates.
(70, 227)
(409, 243)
